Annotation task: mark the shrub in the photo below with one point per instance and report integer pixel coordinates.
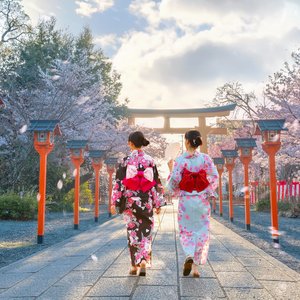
(285, 209)
(262, 205)
(14, 207)
(86, 197)
(284, 206)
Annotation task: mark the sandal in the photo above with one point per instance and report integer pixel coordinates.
(142, 269)
(133, 270)
(187, 267)
(195, 271)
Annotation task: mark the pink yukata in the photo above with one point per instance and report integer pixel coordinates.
(138, 214)
(194, 207)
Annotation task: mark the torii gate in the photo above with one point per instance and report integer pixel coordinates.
(200, 113)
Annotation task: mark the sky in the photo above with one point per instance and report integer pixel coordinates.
(176, 53)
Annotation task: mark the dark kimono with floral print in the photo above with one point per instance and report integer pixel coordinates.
(138, 214)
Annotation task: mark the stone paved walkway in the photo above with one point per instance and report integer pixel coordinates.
(94, 265)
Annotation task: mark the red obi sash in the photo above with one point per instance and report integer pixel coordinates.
(193, 181)
(139, 180)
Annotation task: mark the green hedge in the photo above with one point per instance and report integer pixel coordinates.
(14, 207)
(264, 205)
(86, 197)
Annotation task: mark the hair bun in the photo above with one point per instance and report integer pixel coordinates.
(194, 138)
(146, 142)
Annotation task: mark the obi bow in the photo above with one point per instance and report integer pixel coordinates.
(193, 181)
(138, 180)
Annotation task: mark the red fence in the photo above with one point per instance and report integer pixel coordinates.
(286, 191)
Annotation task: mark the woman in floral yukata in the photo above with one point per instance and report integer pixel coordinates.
(138, 181)
(193, 179)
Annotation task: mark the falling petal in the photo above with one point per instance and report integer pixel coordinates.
(276, 245)
(64, 175)
(75, 172)
(55, 77)
(94, 257)
(23, 129)
(38, 197)
(60, 184)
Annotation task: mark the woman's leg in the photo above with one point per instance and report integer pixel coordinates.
(193, 219)
(139, 235)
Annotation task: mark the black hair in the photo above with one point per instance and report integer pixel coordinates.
(138, 139)
(194, 138)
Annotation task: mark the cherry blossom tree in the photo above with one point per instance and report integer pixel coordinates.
(281, 99)
(13, 21)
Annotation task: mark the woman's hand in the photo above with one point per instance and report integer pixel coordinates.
(171, 164)
(113, 210)
(157, 210)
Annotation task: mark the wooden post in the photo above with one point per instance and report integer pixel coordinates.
(246, 161)
(220, 193)
(110, 171)
(97, 167)
(271, 150)
(77, 162)
(231, 211)
(43, 151)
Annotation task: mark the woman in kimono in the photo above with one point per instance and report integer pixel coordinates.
(193, 179)
(137, 180)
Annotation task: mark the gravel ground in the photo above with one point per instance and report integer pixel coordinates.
(289, 251)
(18, 238)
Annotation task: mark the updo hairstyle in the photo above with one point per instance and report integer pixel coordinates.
(194, 138)
(138, 139)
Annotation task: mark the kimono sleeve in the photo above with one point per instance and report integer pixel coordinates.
(118, 187)
(175, 177)
(212, 176)
(157, 191)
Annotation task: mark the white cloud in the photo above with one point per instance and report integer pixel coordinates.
(88, 7)
(108, 40)
(36, 13)
(192, 47)
(146, 9)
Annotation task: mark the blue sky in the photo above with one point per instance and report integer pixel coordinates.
(175, 53)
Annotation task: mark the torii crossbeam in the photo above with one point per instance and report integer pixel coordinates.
(200, 113)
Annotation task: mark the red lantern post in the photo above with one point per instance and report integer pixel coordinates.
(230, 156)
(77, 157)
(96, 156)
(219, 162)
(44, 131)
(270, 131)
(110, 167)
(245, 147)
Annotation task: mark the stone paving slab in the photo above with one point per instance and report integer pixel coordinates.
(246, 293)
(95, 264)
